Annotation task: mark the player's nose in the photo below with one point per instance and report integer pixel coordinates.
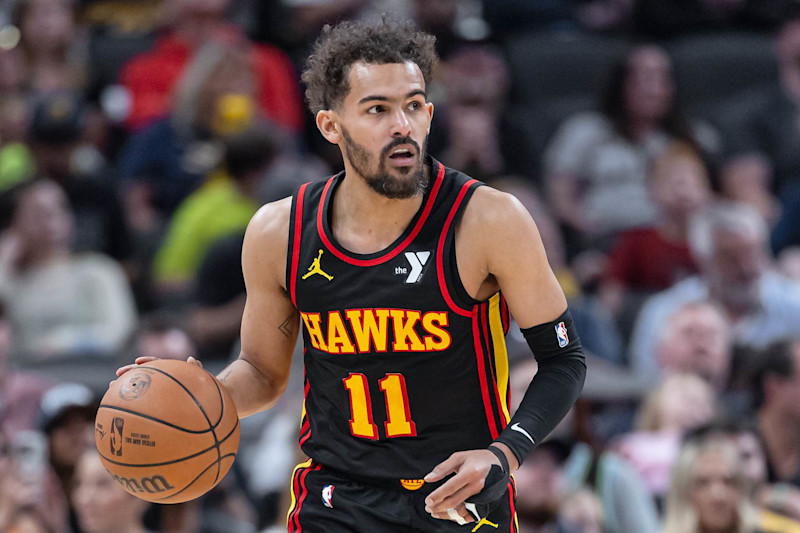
(401, 126)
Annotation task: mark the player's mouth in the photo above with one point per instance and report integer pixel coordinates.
(403, 155)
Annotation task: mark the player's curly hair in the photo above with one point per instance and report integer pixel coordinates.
(338, 47)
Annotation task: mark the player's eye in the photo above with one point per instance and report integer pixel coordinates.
(415, 106)
(374, 110)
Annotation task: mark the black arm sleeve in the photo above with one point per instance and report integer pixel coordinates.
(559, 381)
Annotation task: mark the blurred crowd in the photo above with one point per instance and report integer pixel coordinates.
(656, 144)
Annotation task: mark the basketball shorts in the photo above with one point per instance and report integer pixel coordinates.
(328, 501)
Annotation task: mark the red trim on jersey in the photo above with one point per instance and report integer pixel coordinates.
(295, 492)
(487, 402)
(301, 499)
(397, 249)
(490, 359)
(504, 314)
(305, 428)
(512, 495)
(298, 230)
(440, 252)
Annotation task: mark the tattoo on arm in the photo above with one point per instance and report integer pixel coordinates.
(287, 327)
(225, 374)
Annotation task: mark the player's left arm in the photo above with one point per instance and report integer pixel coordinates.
(499, 247)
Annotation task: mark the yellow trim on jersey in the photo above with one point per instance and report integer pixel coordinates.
(500, 353)
(291, 488)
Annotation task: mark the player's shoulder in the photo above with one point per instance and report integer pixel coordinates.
(491, 208)
(269, 227)
(272, 218)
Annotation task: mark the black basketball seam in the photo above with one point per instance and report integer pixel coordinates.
(178, 460)
(154, 419)
(199, 476)
(221, 412)
(199, 406)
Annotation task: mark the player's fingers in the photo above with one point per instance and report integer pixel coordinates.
(456, 499)
(145, 359)
(433, 502)
(194, 361)
(446, 467)
(121, 370)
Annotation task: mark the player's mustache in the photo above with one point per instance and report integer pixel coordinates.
(397, 142)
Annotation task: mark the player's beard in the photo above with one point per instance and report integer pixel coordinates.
(410, 182)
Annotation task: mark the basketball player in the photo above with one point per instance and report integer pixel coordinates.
(402, 273)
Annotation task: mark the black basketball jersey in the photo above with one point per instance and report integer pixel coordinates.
(402, 366)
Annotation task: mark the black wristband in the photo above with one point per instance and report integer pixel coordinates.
(501, 457)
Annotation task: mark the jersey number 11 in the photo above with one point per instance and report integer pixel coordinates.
(398, 414)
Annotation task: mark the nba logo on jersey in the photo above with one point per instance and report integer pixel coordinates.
(327, 496)
(561, 335)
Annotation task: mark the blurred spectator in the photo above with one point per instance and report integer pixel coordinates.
(470, 123)
(627, 504)
(729, 243)
(583, 511)
(778, 410)
(50, 41)
(163, 164)
(22, 506)
(67, 419)
(663, 19)
(780, 502)
(219, 296)
(56, 136)
(766, 123)
(650, 259)
(162, 335)
(20, 392)
(223, 205)
(747, 178)
(151, 76)
(696, 339)
(789, 263)
(707, 492)
(58, 303)
(599, 161)
(681, 402)
(101, 504)
(540, 490)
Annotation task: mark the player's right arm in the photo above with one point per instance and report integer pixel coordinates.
(270, 322)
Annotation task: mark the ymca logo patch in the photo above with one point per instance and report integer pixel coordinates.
(417, 260)
(327, 496)
(561, 335)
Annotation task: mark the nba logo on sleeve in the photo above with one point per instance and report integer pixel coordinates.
(561, 335)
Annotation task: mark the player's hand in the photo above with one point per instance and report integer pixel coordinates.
(470, 469)
(142, 360)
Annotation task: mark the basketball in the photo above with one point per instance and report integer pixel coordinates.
(167, 431)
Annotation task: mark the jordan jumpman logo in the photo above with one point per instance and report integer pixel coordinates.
(315, 268)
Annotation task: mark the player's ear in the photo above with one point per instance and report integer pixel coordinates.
(429, 109)
(328, 125)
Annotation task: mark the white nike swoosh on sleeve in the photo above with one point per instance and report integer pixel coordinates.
(516, 427)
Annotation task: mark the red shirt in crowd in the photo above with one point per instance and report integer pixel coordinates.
(151, 76)
(643, 260)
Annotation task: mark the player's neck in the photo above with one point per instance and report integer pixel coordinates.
(364, 221)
